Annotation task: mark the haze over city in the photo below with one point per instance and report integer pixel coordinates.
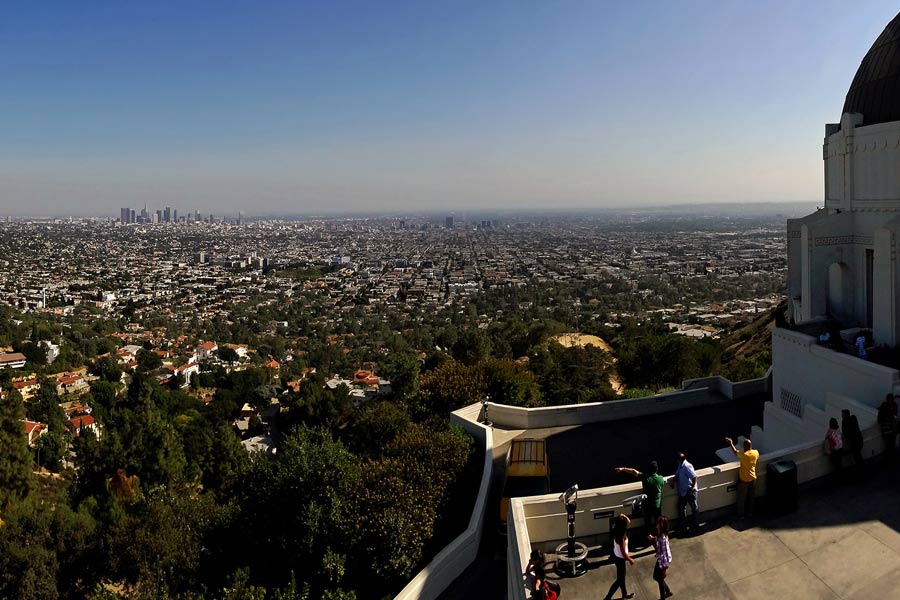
(293, 108)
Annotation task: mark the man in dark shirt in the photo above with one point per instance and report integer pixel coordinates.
(853, 439)
(887, 420)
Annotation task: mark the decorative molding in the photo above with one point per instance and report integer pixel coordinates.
(843, 240)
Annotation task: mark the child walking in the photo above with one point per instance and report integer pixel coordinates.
(663, 556)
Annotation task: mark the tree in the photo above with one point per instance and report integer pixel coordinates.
(160, 545)
(508, 382)
(51, 447)
(228, 355)
(403, 495)
(34, 353)
(15, 458)
(375, 427)
(47, 553)
(451, 386)
(664, 360)
(148, 360)
(572, 375)
(44, 406)
(402, 370)
(472, 346)
(306, 502)
(107, 368)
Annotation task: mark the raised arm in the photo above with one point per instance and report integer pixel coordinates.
(629, 470)
(731, 443)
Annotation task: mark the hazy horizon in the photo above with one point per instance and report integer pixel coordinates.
(352, 108)
(788, 209)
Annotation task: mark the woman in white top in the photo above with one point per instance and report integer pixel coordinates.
(620, 555)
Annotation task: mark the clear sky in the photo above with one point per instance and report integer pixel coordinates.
(294, 107)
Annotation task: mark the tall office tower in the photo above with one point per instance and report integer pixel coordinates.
(154, 218)
(167, 214)
(131, 216)
(174, 215)
(145, 217)
(212, 219)
(124, 213)
(159, 216)
(197, 216)
(240, 218)
(448, 222)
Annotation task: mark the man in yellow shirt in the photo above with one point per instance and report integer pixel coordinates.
(747, 476)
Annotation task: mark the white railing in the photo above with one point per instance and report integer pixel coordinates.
(517, 417)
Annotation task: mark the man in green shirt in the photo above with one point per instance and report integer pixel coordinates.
(652, 483)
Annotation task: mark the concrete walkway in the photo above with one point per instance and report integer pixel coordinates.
(844, 542)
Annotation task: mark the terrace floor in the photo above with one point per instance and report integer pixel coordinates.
(843, 542)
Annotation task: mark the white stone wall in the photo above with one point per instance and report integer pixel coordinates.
(516, 417)
(862, 166)
(801, 366)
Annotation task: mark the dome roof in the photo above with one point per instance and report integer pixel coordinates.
(875, 91)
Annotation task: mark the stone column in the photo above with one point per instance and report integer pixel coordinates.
(884, 327)
(806, 292)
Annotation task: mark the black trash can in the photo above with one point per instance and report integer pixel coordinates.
(781, 487)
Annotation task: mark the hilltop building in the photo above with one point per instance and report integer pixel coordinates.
(843, 272)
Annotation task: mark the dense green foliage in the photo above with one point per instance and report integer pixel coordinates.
(167, 504)
(15, 459)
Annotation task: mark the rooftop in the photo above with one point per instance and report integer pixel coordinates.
(634, 442)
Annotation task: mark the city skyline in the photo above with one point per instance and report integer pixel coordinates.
(344, 109)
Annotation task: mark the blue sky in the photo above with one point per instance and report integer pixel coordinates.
(292, 107)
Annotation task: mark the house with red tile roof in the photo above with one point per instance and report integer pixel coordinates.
(83, 423)
(184, 372)
(206, 350)
(33, 431)
(71, 383)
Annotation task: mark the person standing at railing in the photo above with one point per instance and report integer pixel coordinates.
(834, 444)
(887, 420)
(652, 484)
(685, 483)
(746, 476)
(853, 438)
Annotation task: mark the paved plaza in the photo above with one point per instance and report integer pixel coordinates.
(843, 542)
